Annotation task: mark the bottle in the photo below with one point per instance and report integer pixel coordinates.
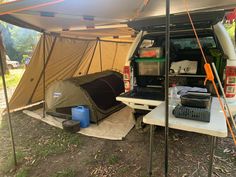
(174, 95)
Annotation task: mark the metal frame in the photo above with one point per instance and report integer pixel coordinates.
(167, 56)
(44, 74)
(212, 150)
(8, 111)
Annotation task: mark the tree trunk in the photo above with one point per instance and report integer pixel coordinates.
(3, 56)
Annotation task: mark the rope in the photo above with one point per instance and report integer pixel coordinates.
(209, 73)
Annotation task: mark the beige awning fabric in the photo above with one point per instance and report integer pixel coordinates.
(83, 14)
(65, 58)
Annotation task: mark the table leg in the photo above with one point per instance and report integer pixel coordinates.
(212, 150)
(150, 151)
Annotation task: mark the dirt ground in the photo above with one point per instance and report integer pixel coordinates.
(44, 151)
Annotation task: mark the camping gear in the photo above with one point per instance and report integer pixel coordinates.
(192, 113)
(150, 66)
(71, 126)
(223, 93)
(97, 91)
(195, 99)
(81, 113)
(152, 52)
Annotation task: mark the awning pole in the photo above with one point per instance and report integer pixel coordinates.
(8, 112)
(167, 46)
(100, 51)
(44, 73)
(92, 56)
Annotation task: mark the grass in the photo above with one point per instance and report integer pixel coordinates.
(55, 143)
(65, 173)
(10, 161)
(23, 172)
(113, 159)
(13, 78)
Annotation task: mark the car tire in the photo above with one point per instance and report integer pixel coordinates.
(10, 66)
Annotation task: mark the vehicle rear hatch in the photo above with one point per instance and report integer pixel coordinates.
(178, 21)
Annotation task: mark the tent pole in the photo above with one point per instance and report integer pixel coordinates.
(8, 112)
(44, 74)
(167, 56)
(80, 59)
(113, 62)
(92, 57)
(41, 74)
(100, 51)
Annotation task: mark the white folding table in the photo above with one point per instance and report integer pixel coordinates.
(215, 128)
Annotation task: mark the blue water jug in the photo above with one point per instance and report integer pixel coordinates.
(81, 113)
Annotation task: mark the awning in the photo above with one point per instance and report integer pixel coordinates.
(75, 15)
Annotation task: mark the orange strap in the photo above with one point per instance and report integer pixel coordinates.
(209, 73)
(30, 7)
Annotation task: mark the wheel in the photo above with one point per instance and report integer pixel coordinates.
(10, 67)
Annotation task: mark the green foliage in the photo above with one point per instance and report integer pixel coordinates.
(231, 30)
(24, 57)
(18, 41)
(13, 78)
(65, 173)
(22, 173)
(113, 159)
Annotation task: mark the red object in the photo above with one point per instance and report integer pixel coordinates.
(230, 81)
(231, 16)
(126, 78)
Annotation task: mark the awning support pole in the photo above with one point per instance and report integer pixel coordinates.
(167, 56)
(41, 74)
(44, 74)
(8, 112)
(91, 60)
(100, 51)
(113, 62)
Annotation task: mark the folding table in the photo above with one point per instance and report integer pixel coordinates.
(215, 128)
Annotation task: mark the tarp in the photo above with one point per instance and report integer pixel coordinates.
(66, 58)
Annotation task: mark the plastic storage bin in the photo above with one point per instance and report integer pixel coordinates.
(81, 113)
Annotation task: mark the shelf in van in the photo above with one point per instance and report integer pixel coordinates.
(150, 59)
(186, 75)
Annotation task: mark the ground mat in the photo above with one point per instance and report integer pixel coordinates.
(114, 127)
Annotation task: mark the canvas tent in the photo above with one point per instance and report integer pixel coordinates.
(65, 58)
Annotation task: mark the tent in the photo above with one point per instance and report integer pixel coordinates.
(65, 58)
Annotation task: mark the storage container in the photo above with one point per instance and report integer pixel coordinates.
(194, 99)
(81, 113)
(155, 52)
(151, 66)
(71, 126)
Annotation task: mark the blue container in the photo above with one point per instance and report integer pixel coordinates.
(81, 113)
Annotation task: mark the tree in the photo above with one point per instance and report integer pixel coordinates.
(24, 40)
(3, 55)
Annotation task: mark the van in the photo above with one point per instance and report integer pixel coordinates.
(144, 72)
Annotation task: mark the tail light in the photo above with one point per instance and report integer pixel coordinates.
(230, 81)
(126, 78)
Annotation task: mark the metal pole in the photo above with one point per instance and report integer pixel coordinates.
(92, 56)
(167, 56)
(213, 142)
(223, 93)
(44, 73)
(100, 52)
(8, 112)
(150, 151)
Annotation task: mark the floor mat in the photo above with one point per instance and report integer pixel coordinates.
(114, 127)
